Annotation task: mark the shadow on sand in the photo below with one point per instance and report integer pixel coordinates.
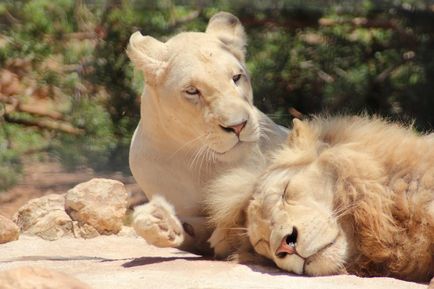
(142, 261)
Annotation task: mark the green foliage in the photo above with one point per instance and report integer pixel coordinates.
(95, 146)
(10, 167)
(314, 56)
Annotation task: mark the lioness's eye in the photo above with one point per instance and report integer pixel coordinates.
(192, 90)
(236, 77)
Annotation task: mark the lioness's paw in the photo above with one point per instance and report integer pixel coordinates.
(157, 224)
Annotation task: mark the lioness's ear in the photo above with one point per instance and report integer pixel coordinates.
(149, 55)
(229, 30)
(302, 135)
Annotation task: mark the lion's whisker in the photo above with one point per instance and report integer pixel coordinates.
(343, 210)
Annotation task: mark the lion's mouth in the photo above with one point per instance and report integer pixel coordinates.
(313, 261)
(288, 248)
(281, 253)
(311, 258)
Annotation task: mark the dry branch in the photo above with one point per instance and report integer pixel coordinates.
(188, 18)
(44, 124)
(360, 22)
(12, 104)
(54, 121)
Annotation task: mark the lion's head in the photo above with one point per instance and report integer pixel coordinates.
(198, 85)
(292, 218)
(347, 195)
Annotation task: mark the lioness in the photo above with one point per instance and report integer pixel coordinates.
(197, 119)
(347, 194)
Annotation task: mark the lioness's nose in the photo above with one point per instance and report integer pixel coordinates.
(237, 128)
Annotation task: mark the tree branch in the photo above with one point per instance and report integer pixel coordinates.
(361, 22)
(188, 18)
(15, 105)
(45, 124)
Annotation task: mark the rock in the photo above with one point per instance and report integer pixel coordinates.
(85, 231)
(38, 278)
(45, 217)
(100, 203)
(86, 211)
(9, 231)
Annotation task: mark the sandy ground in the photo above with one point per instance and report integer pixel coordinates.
(130, 263)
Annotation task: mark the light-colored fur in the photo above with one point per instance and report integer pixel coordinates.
(359, 191)
(180, 142)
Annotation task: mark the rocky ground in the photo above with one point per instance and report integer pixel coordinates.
(49, 177)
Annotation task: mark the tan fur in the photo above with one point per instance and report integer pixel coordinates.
(358, 190)
(181, 142)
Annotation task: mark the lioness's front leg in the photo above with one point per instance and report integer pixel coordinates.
(157, 224)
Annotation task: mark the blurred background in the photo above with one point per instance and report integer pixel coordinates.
(69, 98)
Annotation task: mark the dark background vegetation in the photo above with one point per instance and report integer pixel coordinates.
(68, 90)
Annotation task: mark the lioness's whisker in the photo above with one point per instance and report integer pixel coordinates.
(202, 158)
(197, 155)
(207, 158)
(234, 228)
(186, 145)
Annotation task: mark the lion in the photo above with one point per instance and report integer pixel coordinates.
(344, 195)
(197, 119)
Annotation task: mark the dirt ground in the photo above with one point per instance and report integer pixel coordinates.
(49, 177)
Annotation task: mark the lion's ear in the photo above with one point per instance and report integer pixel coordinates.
(230, 31)
(148, 55)
(302, 135)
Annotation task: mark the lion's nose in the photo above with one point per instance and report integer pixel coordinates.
(287, 245)
(237, 128)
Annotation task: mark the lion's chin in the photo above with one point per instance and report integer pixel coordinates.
(330, 261)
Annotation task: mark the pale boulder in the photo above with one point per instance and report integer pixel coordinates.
(45, 217)
(100, 203)
(9, 231)
(82, 230)
(38, 278)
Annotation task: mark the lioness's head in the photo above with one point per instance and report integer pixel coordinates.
(198, 85)
(293, 218)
